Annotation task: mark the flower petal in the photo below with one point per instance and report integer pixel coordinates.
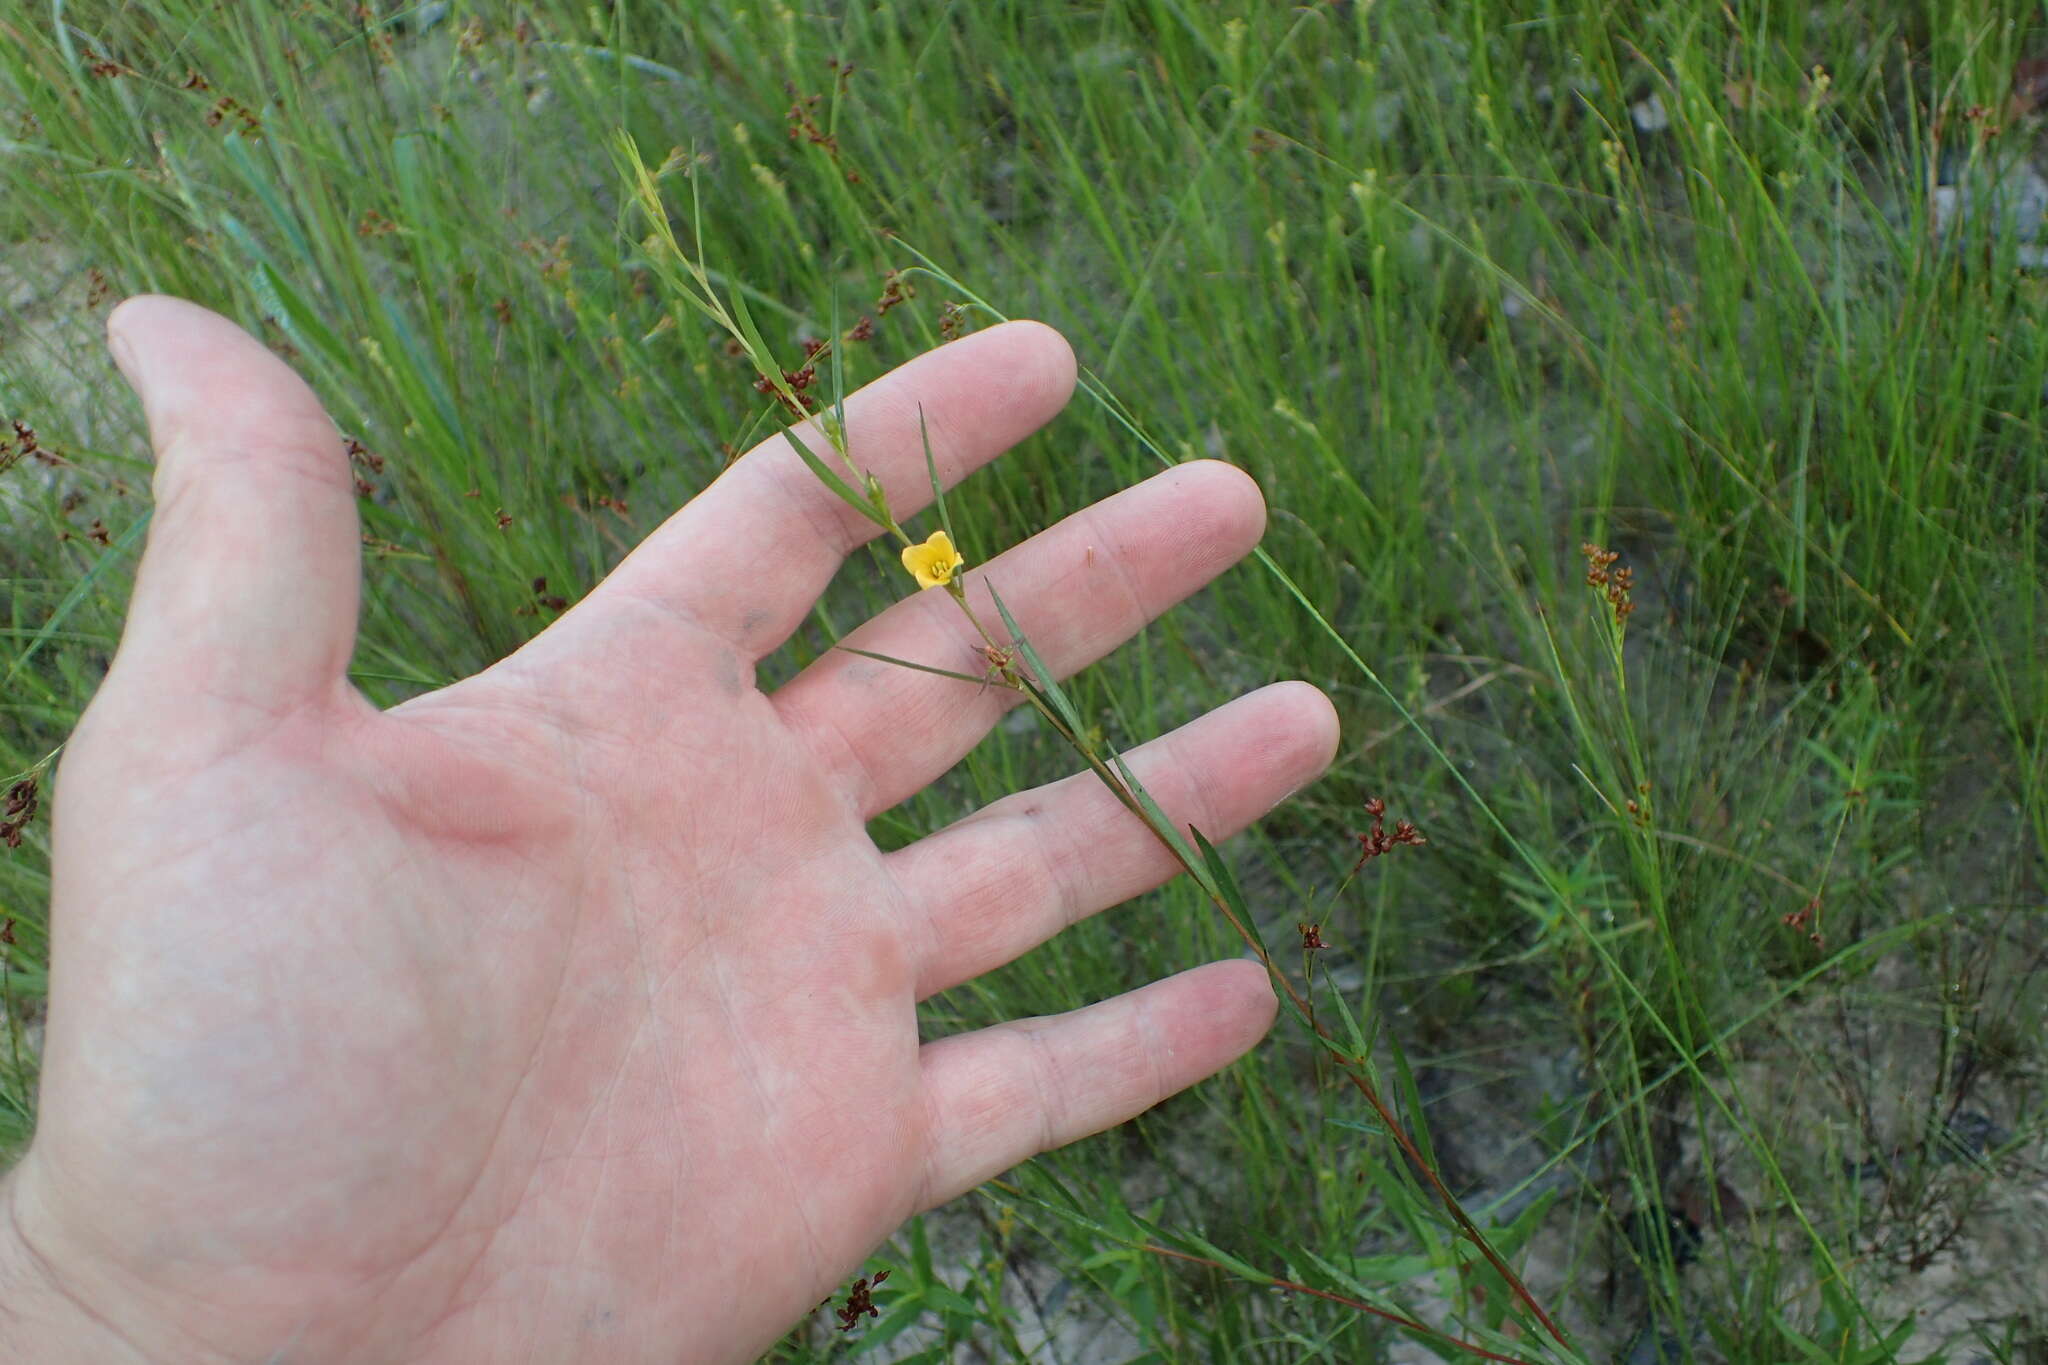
(934, 562)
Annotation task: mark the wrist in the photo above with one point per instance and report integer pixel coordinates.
(41, 1316)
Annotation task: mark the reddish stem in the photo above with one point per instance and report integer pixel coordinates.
(1412, 1324)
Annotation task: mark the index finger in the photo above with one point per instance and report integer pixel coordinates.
(980, 395)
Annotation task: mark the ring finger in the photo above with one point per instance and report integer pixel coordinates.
(1016, 872)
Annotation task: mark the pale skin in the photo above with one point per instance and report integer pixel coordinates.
(568, 1013)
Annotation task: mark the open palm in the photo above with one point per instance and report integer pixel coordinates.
(569, 1012)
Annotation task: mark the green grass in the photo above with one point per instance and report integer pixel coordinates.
(1416, 268)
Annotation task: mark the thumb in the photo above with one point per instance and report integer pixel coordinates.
(247, 590)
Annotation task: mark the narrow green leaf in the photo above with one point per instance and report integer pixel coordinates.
(425, 371)
(745, 440)
(1367, 1271)
(77, 594)
(823, 620)
(1809, 1349)
(282, 218)
(838, 374)
(901, 1316)
(1371, 1130)
(1510, 1239)
(368, 675)
(840, 488)
(696, 217)
(298, 318)
(1190, 1241)
(948, 1301)
(411, 172)
(1401, 1196)
(1219, 873)
(921, 1253)
(1411, 1101)
(1360, 1045)
(1037, 694)
(1050, 690)
(905, 663)
(931, 469)
(1109, 1257)
(1161, 822)
(757, 347)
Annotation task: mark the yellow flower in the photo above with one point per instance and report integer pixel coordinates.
(933, 563)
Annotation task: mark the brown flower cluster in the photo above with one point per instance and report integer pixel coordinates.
(474, 35)
(97, 532)
(21, 808)
(799, 382)
(895, 290)
(543, 600)
(360, 454)
(860, 1302)
(1806, 919)
(1619, 584)
(12, 451)
(363, 462)
(227, 109)
(104, 67)
(803, 124)
(551, 259)
(803, 118)
(24, 445)
(1378, 840)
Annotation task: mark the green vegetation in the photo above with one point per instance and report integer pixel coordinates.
(1716, 992)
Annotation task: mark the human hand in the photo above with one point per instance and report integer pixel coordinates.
(569, 1012)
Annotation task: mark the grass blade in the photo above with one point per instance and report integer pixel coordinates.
(77, 593)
